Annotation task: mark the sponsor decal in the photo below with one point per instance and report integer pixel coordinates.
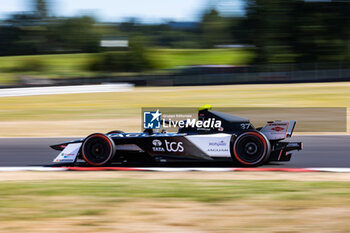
(278, 124)
(65, 160)
(174, 146)
(217, 150)
(69, 154)
(277, 128)
(157, 143)
(203, 129)
(157, 146)
(151, 120)
(217, 146)
(158, 149)
(219, 143)
(169, 146)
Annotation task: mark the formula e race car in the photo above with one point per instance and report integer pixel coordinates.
(235, 140)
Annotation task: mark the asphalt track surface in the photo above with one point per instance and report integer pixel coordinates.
(319, 151)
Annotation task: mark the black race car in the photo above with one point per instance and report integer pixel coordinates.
(236, 140)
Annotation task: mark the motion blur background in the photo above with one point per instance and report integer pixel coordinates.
(174, 54)
(148, 43)
(167, 43)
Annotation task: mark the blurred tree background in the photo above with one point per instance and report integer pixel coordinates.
(298, 31)
(277, 31)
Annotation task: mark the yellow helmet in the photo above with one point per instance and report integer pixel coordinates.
(205, 107)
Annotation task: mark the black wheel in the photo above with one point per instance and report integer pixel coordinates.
(98, 149)
(115, 131)
(251, 148)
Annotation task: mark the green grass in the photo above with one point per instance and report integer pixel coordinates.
(177, 205)
(129, 104)
(17, 198)
(66, 65)
(82, 114)
(75, 65)
(181, 57)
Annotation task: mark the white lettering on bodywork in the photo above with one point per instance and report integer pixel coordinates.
(213, 145)
(69, 154)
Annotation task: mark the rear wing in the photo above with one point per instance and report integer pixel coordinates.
(291, 128)
(278, 130)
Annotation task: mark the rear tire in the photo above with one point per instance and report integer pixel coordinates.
(251, 148)
(98, 149)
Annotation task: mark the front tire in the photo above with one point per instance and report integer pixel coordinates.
(98, 149)
(251, 148)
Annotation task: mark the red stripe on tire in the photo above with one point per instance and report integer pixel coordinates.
(252, 169)
(263, 141)
(104, 169)
(232, 169)
(98, 136)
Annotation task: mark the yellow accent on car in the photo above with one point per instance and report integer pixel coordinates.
(205, 107)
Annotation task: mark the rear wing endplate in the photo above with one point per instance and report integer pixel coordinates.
(278, 130)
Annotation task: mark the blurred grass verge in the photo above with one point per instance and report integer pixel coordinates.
(82, 114)
(88, 65)
(177, 205)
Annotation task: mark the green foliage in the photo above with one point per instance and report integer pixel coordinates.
(171, 58)
(134, 60)
(79, 65)
(77, 34)
(298, 31)
(41, 8)
(33, 65)
(214, 29)
(30, 34)
(282, 31)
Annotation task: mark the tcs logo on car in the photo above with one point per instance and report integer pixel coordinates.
(174, 146)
